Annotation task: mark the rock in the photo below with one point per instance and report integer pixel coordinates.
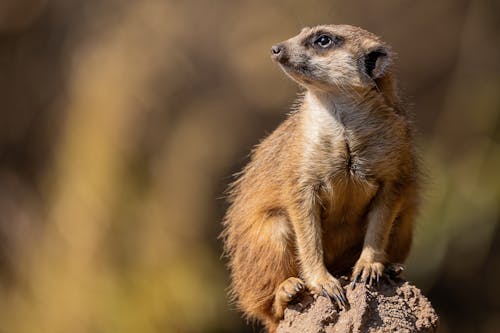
(392, 306)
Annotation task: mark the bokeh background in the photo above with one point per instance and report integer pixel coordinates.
(121, 123)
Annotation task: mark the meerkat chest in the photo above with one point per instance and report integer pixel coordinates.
(348, 163)
(348, 179)
(334, 152)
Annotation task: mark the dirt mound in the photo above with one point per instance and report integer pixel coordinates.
(392, 306)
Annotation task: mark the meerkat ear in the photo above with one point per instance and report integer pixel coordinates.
(376, 62)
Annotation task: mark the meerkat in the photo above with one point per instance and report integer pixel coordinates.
(334, 189)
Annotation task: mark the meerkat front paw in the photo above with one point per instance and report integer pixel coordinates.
(367, 271)
(328, 286)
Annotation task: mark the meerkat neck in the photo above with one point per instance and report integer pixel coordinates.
(342, 107)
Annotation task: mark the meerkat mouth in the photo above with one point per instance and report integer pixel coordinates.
(298, 72)
(300, 67)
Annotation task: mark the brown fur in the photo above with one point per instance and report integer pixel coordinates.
(332, 188)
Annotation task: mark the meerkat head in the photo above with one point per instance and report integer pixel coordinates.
(334, 58)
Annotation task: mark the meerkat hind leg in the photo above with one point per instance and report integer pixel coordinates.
(394, 270)
(287, 291)
(399, 244)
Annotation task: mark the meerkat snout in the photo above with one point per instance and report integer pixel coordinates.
(278, 52)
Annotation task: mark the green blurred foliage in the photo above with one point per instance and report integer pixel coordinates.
(121, 123)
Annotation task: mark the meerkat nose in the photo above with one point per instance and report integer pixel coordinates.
(277, 52)
(276, 49)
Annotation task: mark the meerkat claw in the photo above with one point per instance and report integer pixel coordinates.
(394, 270)
(354, 281)
(342, 300)
(338, 301)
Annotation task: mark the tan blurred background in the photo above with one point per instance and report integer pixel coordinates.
(121, 123)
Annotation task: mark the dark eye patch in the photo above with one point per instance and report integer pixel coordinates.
(325, 40)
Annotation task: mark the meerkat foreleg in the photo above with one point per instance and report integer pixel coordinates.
(384, 210)
(307, 226)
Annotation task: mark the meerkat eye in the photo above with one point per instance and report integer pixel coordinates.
(324, 41)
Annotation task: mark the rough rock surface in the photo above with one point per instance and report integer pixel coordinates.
(392, 306)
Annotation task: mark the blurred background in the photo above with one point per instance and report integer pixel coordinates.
(122, 122)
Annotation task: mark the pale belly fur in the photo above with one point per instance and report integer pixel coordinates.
(344, 208)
